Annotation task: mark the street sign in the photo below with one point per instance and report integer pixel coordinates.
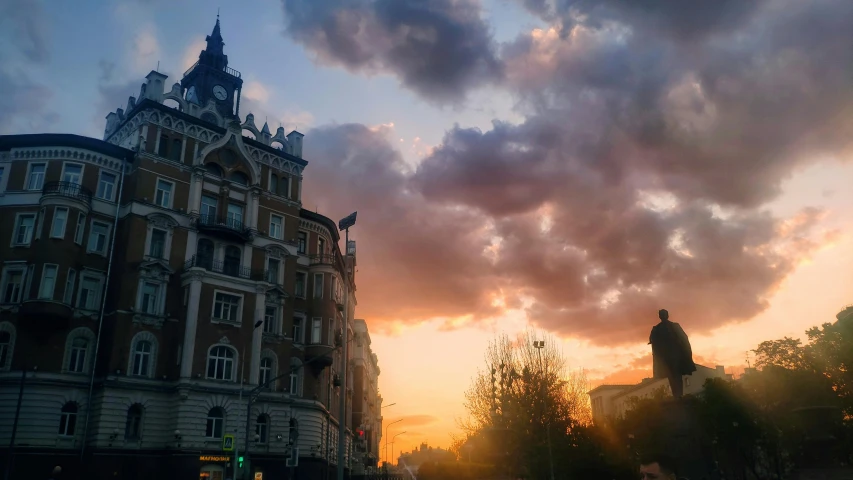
(228, 443)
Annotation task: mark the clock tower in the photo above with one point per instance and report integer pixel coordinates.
(210, 77)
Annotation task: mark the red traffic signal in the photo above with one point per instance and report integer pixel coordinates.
(361, 434)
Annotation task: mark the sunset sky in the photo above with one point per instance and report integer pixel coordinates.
(518, 165)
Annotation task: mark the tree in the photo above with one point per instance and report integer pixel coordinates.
(786, 353)
(524, 396)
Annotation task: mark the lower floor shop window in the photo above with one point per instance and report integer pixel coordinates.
(68, 419)
(215, 422)
(211, 472)
(262, 429)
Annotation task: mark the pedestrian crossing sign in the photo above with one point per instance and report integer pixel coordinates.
(228, 443)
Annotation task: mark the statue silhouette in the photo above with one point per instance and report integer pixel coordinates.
(671, 353)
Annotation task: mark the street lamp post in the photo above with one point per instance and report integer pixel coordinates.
(392, 443)
(539, 345)
(345, 225)
(249, 401)
(386, 437)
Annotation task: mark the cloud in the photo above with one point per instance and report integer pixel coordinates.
(416, 420)
(256, 91)
(439, 49)
(25, 105)
(26, 28)
(145, 49)
(192, 52)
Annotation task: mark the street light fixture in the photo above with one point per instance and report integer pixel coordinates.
(345, 225)
(386, 437)
(392, 444)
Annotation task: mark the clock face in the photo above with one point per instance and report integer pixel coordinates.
(219, 92)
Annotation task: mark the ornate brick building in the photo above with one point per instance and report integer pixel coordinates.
(151, 279)
(367, 403)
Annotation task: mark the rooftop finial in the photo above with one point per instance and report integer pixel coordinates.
(217, 13)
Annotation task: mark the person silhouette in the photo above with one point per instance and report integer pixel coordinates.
(672, 355)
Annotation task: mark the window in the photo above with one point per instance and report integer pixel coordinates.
(321, 245)
(208, 208)
(296, 377)
(77, 359)
(36, 177)
(273, 270)
(226, 307)
(204, 253)
(157, 248)
(284, 187)
(175, 151)
(220, 363)
(69, 286)
(89, 293)
(48, 281)
(141, 358)
(6, 344)
(265, 375)
(276, 227)
(316, 330)
(13, 284)
(273, 183)
(235, 216)
(24, 229)
(163, 146)
(72, 173)
(297, 330)
(299, 289)
(133, 424)
(331, 331)
(213, 169)
(318, 285)
(239, 177)
(271, 319)
(231, 265)
(149, 298)
(68, 419)
(215, 423)
(60, 217)
(303, 242)
(98, 238)
(81, 227)
(163, 195)
(106, 186)
(262, 428)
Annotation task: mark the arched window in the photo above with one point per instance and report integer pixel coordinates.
(231, 265)
(220, 363)
(213, 169)
(296, 376)
(68, 419)
(284, 187)
(141, 358)
(204, 253)
(78, 354)
(175, 151)
(133, 424)
(215, 423)
(262, 428)
(7, 345)
(239, 177)
(274, 183)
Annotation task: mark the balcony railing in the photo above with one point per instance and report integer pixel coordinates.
(228, 70)
(232, 269)
(224, 225)
(322, 259)
(68, 189)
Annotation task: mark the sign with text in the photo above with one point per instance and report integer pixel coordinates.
(214, 458)
(228, 443)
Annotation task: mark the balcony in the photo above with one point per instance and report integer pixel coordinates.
(322, 259)
(70, 190)
(44, 317)
(229, 71)
(231, 269)
(320, 356)
(224, 227)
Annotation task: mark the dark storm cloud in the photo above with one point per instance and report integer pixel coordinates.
(437, 48)
(416, 260)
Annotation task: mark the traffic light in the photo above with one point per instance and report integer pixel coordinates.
(240, 461)
(360, 434)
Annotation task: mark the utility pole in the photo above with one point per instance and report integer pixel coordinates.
(539, 345)
(344, 224)
(11, 455)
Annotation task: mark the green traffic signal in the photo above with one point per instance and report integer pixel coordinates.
(240, 461)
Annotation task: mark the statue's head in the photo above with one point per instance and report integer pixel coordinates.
(663, 314)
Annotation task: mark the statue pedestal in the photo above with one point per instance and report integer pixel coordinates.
(685, 440)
